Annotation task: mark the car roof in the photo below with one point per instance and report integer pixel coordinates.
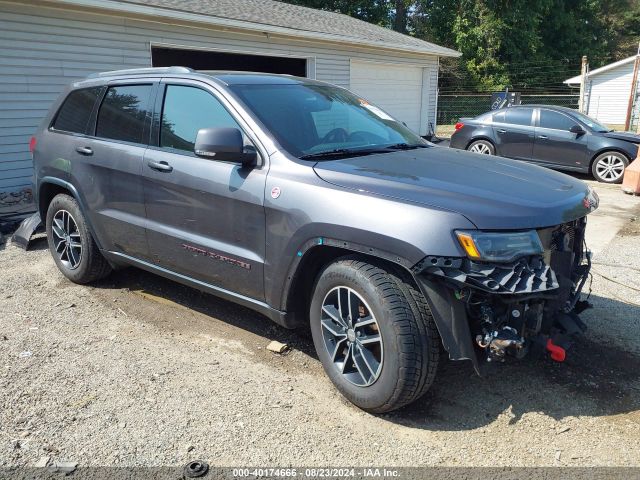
(536, 105)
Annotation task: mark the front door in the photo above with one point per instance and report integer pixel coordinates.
(205, 217)
(514, 133)
(556, 145)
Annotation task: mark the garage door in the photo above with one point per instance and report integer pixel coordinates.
(395, 88)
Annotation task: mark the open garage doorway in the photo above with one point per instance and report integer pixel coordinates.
(206, 60)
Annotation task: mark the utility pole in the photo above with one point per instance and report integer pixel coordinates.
(583, 83)
(632, 93)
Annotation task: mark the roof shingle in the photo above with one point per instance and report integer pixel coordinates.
(301, 19)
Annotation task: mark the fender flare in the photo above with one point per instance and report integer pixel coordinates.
(74, 193)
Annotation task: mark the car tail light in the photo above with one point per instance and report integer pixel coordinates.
(32, 144)
(459, 125)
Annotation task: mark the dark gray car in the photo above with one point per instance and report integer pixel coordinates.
(314, 207)
(555, 137)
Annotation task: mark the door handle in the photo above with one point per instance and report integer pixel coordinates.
(500, 130)
(161, 166)
(543, 137)
(84, 150)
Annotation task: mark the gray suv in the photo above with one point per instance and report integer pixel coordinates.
(307, 203)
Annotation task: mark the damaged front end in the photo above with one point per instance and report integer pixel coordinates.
(487, 308)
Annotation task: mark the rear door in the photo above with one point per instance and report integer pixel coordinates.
(107, 166)
(555, 145)
(514, 133)
(206, 217)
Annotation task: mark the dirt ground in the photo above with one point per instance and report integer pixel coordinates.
(137, 370)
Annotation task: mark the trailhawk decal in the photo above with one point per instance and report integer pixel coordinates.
(217, 256)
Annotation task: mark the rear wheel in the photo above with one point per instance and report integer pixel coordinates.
(483, 147)
(374, 335)
(71, 244)
(608, 167)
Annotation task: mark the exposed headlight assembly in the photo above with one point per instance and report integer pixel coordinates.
(499, 246)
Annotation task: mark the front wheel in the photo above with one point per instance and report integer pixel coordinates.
(374, 335)
(608, 167)
(483, 147)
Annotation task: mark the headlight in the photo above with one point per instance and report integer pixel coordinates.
(499, 247)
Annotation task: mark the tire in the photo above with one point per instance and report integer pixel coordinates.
(609, 167)
(483, 147)
(402, 364)
(71, 244)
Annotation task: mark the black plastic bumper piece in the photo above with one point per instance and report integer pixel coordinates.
(29, 226)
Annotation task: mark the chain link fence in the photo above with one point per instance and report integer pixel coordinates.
(453, 106)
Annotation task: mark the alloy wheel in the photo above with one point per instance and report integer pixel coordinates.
(481, 148)
(352, 336)
(67, 240)
(610, 167)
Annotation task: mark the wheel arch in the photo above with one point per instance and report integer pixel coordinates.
(607, 150)
(48, 188)
(481, 137)
(303, 274)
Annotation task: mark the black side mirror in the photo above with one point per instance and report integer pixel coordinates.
(577, 129)
(224, 144)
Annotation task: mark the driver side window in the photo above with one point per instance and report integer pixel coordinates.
(188, 109)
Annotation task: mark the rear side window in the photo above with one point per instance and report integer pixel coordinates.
(519, 116)
(555, 120)
(76, 110)
(187, 110)
(123, 113)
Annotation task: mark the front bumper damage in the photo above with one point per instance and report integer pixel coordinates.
(486, 311)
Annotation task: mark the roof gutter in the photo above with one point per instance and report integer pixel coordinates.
(173, 15)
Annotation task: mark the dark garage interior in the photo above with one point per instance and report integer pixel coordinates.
(211, 60)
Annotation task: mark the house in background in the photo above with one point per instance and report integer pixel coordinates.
(607, 92)
(47, 44)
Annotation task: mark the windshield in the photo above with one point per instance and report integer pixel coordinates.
(310, 120)
(590, 122)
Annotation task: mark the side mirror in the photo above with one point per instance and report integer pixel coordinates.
(577, 129)
(224, 144)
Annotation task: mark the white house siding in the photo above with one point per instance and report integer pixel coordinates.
(609, 94)
(45, 48)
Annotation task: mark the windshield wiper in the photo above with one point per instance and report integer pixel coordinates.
(406, 146)
(344, 152)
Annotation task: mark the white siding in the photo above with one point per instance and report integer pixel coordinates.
(44, 49)
(609, 94)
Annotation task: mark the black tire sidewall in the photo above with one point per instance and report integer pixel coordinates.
(68, 203)
(597, 159)
(379, 393)
(492, 149)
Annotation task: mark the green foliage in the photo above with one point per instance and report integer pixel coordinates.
(508, 43)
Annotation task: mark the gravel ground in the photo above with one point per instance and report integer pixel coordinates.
(137, 370)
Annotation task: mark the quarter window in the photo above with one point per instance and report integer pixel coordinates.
(187, 110)
(123, 113)
(519, 116)
(555, 120)
(76, 110)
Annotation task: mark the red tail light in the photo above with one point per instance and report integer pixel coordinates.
(32, 144)
(459, 125)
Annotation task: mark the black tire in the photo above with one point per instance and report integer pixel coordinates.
(482, 147)
(618, 162)
(81, 264)
(410, 341)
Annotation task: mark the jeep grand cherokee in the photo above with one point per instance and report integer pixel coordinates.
(313, 206)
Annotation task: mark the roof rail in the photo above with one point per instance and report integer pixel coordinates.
(142, 71)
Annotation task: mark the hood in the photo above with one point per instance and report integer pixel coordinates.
(491, 192)
(627, 136)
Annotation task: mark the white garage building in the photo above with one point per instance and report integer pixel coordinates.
(49, 43)
(607, 91)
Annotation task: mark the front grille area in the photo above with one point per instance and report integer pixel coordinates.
(525, 275)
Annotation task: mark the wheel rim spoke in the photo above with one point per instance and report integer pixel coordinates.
(67, 241)
(351, 336)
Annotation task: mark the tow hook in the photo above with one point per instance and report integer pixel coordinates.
(558, 353)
